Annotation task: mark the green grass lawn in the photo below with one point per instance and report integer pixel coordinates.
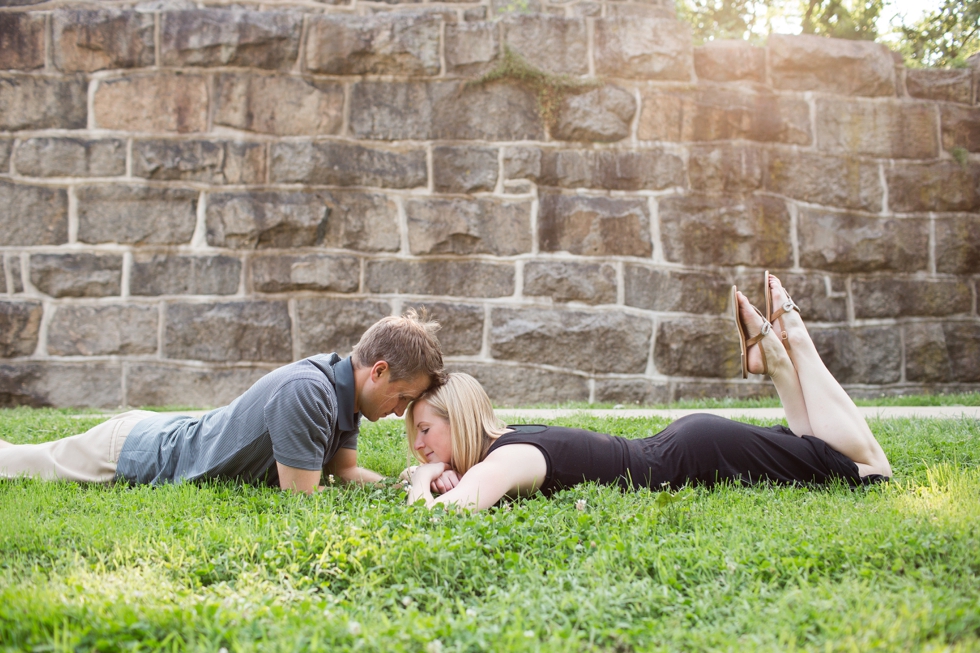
(204, 567)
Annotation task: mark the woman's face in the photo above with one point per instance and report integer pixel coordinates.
(433, 437)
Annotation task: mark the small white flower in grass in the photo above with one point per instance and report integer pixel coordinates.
(580, 504)
(407, 601)
(529, 633)
(222, 650)
(354, 628)
(330, 479)
(435, 646)
(470, 612)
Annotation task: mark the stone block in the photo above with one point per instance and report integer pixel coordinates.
(898, 129)
(136, 214)
(153, 102)
(648, 169)
(261, 220)
(594, 226)
(591, 342)
(963, 344)
(468, 226)
(632, 392)
(861, 354)
(726, 230)
(21, 41)
(636, 10)
(471, 47)
(838, 181)
(848, 242)
(816, 63)
(381, 44)
(305, 272)
(461, 169)
(70, 157)
(151, 384)
(961, 127)
(643, 48)
(716, 114)
(335, 325)
(602, 114)
(59, 385)
(725, 168)
(567, 281)
(12, 266)
(702, 347)
(42, 103)
(48, 211)
(6, 147)
(232, 331)
(170, 274)
(722, 389)
(551, 43)
(475, 14)
(926, 354)
(462, 326)
(222, 37)
(896, 297)
(523, 162)
(76, 275)
(675, 290)
(821, 297)
(280, 105)
(206, 161)
(943, 85)
(103, 330)
(345, 164)
(453, 278)
(729, 60)
(20, 323)
(944, 186)
(516, 385)
(587, 9)
(957, 244)
(86, 40)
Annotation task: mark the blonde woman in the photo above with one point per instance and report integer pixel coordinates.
(473, 460)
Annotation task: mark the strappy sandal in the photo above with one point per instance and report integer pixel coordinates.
(745, 342)
(788, 305)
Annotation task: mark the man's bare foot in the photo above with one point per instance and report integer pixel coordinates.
(775, 355)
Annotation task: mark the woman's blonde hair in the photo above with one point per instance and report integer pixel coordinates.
(463, 402)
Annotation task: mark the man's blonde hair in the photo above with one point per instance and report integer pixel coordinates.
(463, 402)
(406, 342)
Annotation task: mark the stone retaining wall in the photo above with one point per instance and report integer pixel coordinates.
(190, 197)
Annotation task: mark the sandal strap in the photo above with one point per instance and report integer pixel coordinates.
(788, 305)
(757, 340)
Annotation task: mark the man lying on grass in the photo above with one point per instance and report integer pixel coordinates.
(291, 426)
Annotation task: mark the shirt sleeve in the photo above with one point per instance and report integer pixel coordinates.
(349, 441)
(299, 416)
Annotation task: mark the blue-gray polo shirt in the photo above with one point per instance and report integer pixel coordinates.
(298, 415)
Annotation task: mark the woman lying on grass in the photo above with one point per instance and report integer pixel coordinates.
(474, 460)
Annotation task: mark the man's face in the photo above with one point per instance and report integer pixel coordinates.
(381, 396)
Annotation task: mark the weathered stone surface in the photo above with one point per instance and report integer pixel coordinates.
(551, 43)
(602, 114)
(565, 281)
(861, 354)
(136, 214)
(96, 39)
(453, 278)
(725, 168)
(706, 347)
(462, 326)
(725, 60)
(12, 266)
(471, 47)
(726, 230)
(839, 181)
(846, 242)
(943, 186)
(714, 114)
(163, 274)
(821, 297)
(958, 244)
(676, 291)
(365, 222)
(151, 384)
(587, 9)
(460, 169)
(643, 48)
(891, 297)
(636, 392)
(21, 41)
(942, 352)
(70, 157)
(516, 385)
(961, 127)
(42, 103)
(594, 226)
(468, 226)
(76, 275)
(895, 129)
(384, 44)
(6, 147)
(103, 330)
(266, 219)
(281, 105)
(945, 85)
(817, 63)
(208, 161)
(153, 102)
(305, 272)
(221, 37)
(606, 341)
(653, 169)
(735, 389)
(635, 10)
(47, 208)
(19, 326)
(59, 385)
(328, 325)
(345, 164)
(233, 331)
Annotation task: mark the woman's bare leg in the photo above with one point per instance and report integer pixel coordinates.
(833, 416)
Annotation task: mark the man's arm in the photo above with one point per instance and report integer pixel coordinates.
(343, 465)
(298, 480)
